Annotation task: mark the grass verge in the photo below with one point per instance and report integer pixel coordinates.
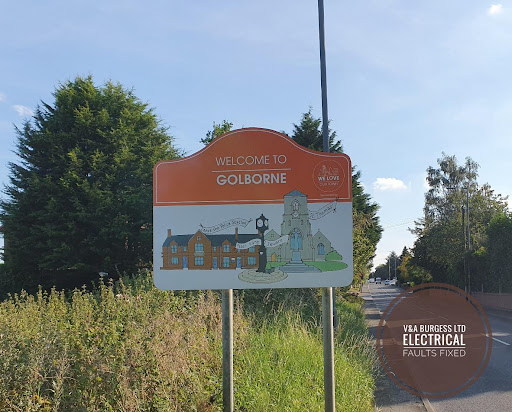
(282, 369)
(130, 347)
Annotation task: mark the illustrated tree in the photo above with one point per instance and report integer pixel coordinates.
(80, 197)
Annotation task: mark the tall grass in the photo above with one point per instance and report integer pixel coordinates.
(282, 366)
(130, 347)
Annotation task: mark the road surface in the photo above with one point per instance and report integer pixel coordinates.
(493, 390)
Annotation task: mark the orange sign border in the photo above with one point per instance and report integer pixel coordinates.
(158, 174)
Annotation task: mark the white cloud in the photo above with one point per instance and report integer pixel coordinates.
(388, 183)
(23, 111)
(2, 97)
(495, 9)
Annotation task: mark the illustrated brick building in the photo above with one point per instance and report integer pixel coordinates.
(202, 252)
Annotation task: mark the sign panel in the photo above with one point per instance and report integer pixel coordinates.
(253, 210)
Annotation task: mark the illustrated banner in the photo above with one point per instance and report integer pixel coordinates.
(225, 225)
(247, 245)
(318, 214)
(273, 243)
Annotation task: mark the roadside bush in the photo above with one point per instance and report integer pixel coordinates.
(128, 346)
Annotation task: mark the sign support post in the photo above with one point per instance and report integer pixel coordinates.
(227, 350)
(328, 295)
(328, 337)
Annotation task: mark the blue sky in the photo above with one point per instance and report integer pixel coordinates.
(406, 80)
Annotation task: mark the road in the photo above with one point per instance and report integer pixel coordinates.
(493, 391)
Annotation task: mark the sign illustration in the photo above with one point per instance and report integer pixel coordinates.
(253, 210)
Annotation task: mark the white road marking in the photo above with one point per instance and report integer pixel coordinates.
(500, 341)
(427, 404)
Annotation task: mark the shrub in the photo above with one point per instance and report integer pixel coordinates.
(333, 256)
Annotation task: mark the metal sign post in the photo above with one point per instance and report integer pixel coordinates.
(328, 335)
(328, 294)
(227, 350)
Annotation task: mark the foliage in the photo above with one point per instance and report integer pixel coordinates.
(500, 252)
(218, 129)
(452, 188)
(285, 358)
(128, 346)
(79, 199)
(308, 133)
(362, 203)
(381, 271)
(411, 273)
(366, 228)
(266, 304)
(121, 348)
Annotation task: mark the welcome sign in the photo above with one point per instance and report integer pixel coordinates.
(253, 209)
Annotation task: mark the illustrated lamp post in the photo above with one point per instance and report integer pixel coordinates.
(262, 226)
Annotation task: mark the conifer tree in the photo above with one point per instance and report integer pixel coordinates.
(80, 196)
(308, 133)
(367, 230)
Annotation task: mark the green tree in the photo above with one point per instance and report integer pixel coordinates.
(410, 273)
(218, 129)
(381, 271)
(500, 252)
(366, 228)
(363, 247)
(308, 133)
(451, 187)
(403, 272)
(80, 197)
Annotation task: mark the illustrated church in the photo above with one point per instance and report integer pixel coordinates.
(218, 251)
(302, 244)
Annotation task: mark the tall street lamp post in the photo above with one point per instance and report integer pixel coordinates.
(467, 240)
(389, 264)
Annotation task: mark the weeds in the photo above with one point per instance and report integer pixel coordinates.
(127, 346)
